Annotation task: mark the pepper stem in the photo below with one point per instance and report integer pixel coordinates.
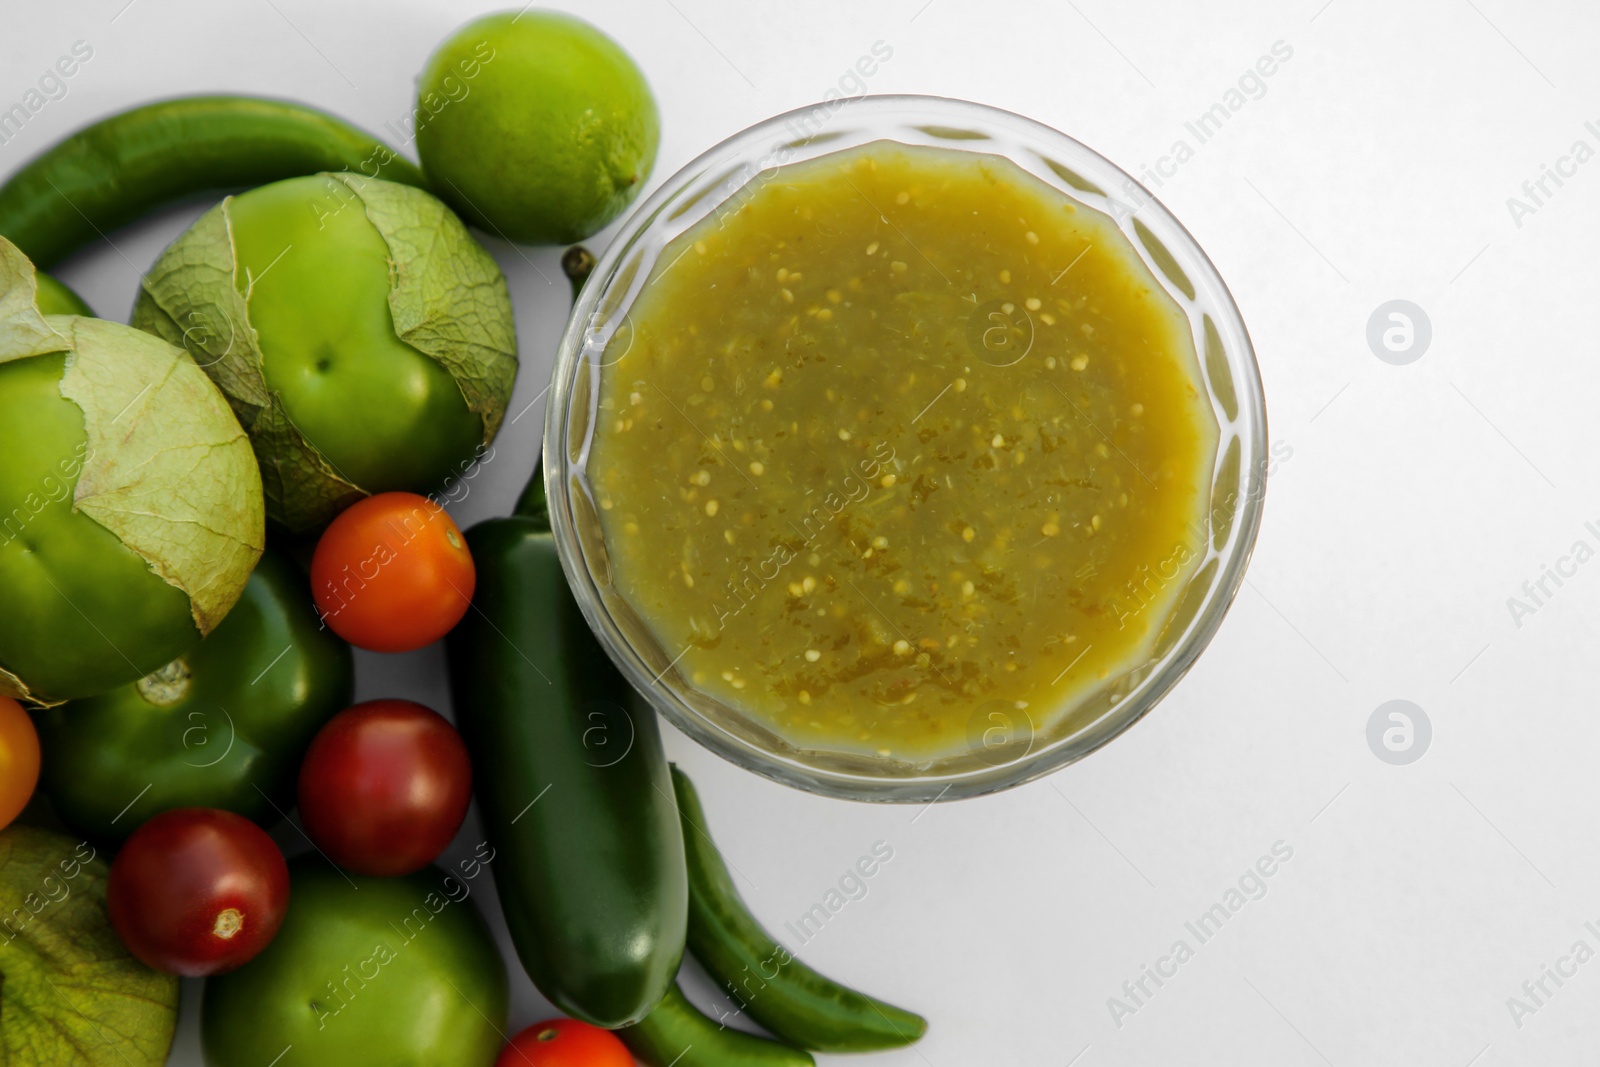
(532, 504)
(577, 263)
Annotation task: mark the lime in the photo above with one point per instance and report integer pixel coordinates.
(535, 126)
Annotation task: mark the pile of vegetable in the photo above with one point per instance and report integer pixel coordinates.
(203, 511)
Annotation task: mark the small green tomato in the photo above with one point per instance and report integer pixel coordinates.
(130, 505)
(364, 338)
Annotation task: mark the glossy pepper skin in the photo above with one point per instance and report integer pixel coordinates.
(785, 996)
(126, 165)
(223, 726)
(676, 1034)
(574, 789)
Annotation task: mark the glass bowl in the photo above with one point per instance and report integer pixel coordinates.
(1004, 750)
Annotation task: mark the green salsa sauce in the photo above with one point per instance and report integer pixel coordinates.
(897, 433)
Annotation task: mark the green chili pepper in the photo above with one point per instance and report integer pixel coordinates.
(223, 726)
(120, 168)
(676, 1034)
(776, 990)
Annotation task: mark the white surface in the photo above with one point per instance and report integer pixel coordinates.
(1417, 499)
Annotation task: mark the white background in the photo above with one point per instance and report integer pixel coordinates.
(1417, 499)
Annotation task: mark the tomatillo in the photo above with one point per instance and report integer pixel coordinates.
(363, 337)
(222, 726)
(55, 298)
(130, 505)
(395, 971)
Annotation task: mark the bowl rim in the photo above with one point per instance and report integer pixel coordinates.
(1168, 670)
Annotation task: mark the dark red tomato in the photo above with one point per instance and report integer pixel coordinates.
(384, 787)
(564, 1043)
(197, 891)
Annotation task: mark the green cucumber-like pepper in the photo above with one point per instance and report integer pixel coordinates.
(222, 726)
(573, 788)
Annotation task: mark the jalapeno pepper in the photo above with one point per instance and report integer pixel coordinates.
(110, 173)
(573, 787)
(776, 990)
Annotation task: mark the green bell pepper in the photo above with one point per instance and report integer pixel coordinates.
(223, 726)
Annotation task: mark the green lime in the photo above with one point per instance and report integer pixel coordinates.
(535, 126)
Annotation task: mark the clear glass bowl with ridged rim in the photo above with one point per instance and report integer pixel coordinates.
(1001, 753)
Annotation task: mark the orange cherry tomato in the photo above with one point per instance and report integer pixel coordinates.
(564, 1043)
(19, 760)
(392, 573)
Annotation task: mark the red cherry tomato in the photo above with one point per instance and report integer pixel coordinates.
(564, 1043)
(392, 573)
(19, 760)
(384, 787)
(197, 891)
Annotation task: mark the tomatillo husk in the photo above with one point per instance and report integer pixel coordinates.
(364, 339)
(130, 504)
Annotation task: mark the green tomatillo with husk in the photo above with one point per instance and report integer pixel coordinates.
(364, 339)
(130, 504)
